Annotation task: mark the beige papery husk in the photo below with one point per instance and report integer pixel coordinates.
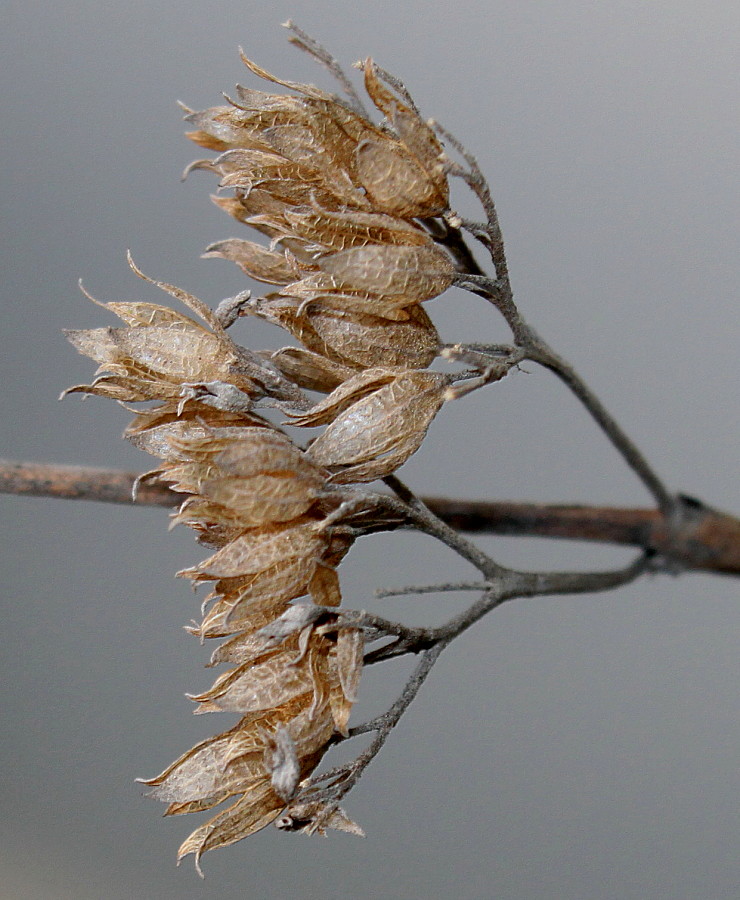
(295, 149)
(292, 697)
(251, 493)
(160, 350)
(378, 419)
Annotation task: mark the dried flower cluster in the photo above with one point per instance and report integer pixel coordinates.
(360, 234)
(344, 204)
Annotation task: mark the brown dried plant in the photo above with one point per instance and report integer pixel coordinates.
(360, 233)
(342, 200)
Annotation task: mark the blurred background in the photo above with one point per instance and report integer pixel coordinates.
(578, 747)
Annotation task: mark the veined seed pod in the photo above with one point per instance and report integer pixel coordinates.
(378, 433)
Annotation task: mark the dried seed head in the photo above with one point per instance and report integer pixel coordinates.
(311, 371)
(314, 140)
(350, 649)
(348, 393)
(342, 201)
(256, 261)
(413, 273)
(368, 341)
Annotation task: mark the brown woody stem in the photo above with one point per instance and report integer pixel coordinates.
(708, 540)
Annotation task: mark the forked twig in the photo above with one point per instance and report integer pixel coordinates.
(500, 294)
(305, 42)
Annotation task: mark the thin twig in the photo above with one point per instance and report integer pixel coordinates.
(305, 42)
(499, 292)
(426, 521)
(383, 627)
(451, 238)
(397, 86)
(515, 585)
(346, 777)
(434, 640)
(476, 181)
(538, 351)
(446, 587)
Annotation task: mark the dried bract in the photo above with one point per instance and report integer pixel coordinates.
(378, 433)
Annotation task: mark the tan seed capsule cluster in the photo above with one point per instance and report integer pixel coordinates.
(340, 199)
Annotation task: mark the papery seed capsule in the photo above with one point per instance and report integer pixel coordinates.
(378, 433)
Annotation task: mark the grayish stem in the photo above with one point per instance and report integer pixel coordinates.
(426, 521)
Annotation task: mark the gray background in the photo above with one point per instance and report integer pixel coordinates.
(580, 747)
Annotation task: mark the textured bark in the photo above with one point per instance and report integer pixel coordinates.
(707, 540)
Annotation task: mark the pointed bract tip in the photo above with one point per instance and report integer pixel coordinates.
(87, 293)
(198, 868)
(134, 268)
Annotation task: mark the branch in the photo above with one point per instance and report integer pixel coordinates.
(499, 293)
(330, 787)
(80, 483)
(709, 539)
(538, 351)
(427, 521)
